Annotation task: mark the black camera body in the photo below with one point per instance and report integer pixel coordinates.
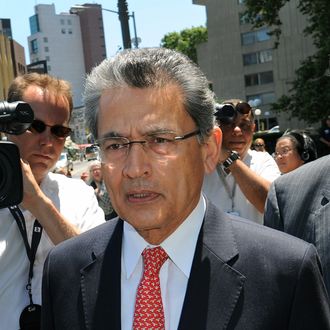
(15, 118)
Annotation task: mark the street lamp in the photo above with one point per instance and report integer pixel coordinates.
(257, 112)
(136, 40)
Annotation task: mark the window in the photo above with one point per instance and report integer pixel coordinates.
(34, 46)
(46, 49)
(34, 24)
(69, 22)
(265, 98)
(63, 31)
(262, 35)
(70, 31)
(250, 38)
(266, 77)
(265, 56)
(62, 21)
(45, 39)
(249, 59)
(251, 79)
(259, 78)
(258, 57)
(47, 58)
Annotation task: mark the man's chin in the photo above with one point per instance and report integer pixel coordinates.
(40, 168)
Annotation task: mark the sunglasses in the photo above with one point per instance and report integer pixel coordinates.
(227, 112)
(259, 145)
(58, 131)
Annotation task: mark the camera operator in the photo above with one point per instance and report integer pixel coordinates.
(63, 207)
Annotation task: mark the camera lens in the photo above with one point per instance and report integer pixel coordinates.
(11, 186)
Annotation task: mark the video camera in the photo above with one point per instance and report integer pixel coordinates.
(15, 118)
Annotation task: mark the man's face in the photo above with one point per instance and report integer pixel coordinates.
(96, 173)
(42, 150)
(239, 134)
(152, 192)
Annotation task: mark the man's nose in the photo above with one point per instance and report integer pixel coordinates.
(137, 162)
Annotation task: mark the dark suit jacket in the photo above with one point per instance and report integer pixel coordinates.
(243, 276)
(299, 204)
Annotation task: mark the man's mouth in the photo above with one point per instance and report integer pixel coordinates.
(138, 197)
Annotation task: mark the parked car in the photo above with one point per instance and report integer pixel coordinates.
(64, 162)
(92, 152)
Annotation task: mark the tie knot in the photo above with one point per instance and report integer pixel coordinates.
(154, 259)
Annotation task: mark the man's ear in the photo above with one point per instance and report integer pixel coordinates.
(212, 150)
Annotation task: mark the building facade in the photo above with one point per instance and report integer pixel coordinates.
(241, 62)
(71, 44)
(12, 57)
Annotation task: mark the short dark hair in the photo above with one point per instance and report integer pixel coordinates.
(303, 143)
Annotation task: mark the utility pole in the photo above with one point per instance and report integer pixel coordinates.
(123, 17)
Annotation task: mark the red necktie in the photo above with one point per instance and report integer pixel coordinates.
(149, 312)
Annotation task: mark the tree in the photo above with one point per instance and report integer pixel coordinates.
(186, 41)
(309, 97)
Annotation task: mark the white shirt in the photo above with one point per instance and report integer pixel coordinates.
(174, 274)
(77, 202)
(228, 196)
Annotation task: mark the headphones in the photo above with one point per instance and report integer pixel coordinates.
(305, 145)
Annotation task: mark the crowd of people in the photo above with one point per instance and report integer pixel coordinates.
(192, 203)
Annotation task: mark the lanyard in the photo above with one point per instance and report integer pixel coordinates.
(30, 251)
(231, 193)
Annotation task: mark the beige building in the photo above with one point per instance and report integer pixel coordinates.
(12, 57)
(241, 62)
(6, 66)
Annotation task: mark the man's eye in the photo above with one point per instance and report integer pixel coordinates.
(245, 126)
(159, 140)
(114, 145)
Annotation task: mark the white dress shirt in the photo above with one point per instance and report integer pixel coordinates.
(77, 202)
(174, 274)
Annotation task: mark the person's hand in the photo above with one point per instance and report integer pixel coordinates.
(31, 189)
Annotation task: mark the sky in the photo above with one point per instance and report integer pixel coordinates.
(153, 18)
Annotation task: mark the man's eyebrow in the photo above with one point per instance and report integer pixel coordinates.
(150, 132)
(110, 135)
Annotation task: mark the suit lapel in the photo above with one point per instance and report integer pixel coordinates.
(214, 286)
(100, 284)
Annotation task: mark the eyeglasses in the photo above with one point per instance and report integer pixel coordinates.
(58, 131)
(116, 148)
(227, 112)
(283, 152)
(259, 145)
(245, 126)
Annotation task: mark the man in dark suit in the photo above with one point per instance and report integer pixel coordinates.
(298, 203)
(172, 260)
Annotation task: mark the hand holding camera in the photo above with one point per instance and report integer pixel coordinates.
(15, 118)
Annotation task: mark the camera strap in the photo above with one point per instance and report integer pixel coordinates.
(30, 250)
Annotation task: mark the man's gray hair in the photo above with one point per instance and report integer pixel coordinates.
(152, 67)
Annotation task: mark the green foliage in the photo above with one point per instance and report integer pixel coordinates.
(309, 97)
(186, 41)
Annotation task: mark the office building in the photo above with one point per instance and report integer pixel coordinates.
(241, 62)
(12, 57)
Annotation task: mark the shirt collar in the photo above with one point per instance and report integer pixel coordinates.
(179, 246)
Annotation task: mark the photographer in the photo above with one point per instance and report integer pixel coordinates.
(63, 207)
(241, 181)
